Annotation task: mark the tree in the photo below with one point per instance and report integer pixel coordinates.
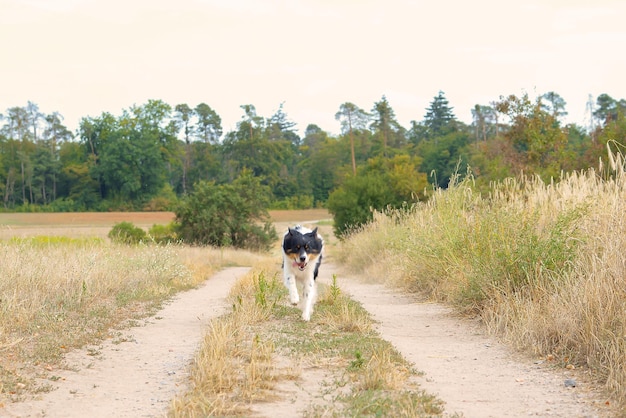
(607, 108)
(273, 160)
(17, 128)
(352, 118)
(227, 215)
(209, 128)
(204, 163)
(439, 118)
(183, 115)
(611, 137)
(250, 121)
(280, 127)
(76, 181)
(34, 116)
(385, 126)
(554, 104)
(484, 120)
(535, 134)
(44, 170)
(54, 134)
(95, 134)
(131, 155)
(314, 136)
(441, 158)
(417, 133)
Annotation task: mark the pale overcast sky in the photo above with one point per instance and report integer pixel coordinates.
(85, 57)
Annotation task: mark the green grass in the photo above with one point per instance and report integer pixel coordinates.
(45, 240)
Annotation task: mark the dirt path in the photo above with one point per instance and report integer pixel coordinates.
(474, 375)
(137, 378)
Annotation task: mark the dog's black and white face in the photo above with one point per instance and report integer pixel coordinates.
(302, 246)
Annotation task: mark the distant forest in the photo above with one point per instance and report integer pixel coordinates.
(151, 155)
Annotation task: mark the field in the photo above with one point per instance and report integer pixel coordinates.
(77, 293)
(70, 294)
(98, 224)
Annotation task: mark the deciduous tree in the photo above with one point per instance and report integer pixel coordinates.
(535, 134)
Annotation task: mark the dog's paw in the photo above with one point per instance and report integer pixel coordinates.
(306, 317)
(294, 300)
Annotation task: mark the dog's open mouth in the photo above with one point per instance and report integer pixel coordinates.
(301, 265)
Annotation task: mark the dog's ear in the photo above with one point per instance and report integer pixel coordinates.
(290, 231)
(314, 232)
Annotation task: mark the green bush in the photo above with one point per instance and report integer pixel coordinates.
(227, 215)
(294, 203)
(164, 234)
(382, 184)
(165, 200)
(127, 233)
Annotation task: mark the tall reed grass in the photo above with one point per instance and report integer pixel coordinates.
(542, 264)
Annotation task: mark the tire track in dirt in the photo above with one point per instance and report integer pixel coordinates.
(473, 374)
(139, 377)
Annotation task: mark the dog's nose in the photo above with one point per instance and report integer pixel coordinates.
(303, 258)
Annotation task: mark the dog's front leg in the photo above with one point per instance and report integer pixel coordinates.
(290, 284)
(309, 293)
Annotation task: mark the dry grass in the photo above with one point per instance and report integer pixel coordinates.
(62, 285)
(263, 341)
(71, 288)
(59, 294)
(542, 264)
(233, 368)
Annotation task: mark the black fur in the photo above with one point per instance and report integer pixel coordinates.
(301, 244)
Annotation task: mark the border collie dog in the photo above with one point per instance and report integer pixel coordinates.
(302, 256)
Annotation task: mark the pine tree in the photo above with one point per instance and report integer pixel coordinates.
(439, 118)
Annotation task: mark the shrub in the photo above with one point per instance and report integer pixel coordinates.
(127, 233)
(227, 215)
(384, 183)
(165, 200)
(164, 234)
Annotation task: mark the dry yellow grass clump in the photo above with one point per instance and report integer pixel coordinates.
(61, 293)
(542, 264)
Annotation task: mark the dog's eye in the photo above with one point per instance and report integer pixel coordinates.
(297, 247)
(306, 247)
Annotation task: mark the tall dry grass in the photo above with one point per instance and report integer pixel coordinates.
(62, 293)
(542, 264)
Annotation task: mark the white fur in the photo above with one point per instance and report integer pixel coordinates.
(303, 279)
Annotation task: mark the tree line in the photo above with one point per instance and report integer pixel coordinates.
(153, 154)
